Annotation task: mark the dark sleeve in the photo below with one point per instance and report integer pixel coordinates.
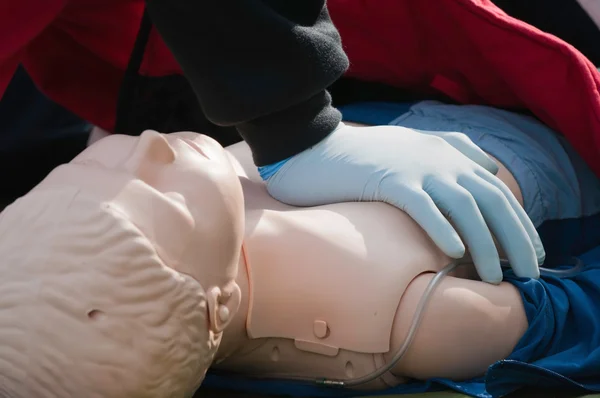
(259, 65)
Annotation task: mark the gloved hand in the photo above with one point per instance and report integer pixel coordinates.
(433, 179)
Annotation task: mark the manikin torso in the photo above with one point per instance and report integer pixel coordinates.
(321, 287)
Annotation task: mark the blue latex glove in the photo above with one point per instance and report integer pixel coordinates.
(434, 178)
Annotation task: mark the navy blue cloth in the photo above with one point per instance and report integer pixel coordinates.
(374, 113)
(561, 347)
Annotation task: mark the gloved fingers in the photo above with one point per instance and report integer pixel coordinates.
(459, 205)
(464, 144)
(421, 208)
(520, 212)
(505, 224)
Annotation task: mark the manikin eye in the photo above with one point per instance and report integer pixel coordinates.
(195, 147)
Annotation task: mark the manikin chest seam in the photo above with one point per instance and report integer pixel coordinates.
(322, 329)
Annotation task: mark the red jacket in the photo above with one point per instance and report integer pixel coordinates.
(473, 52)
(77, 52)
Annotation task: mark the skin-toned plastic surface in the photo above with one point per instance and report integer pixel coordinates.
(592, 7)
(144, 264)
(314, 288)
(102, 264)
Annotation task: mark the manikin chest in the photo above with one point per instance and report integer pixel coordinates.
(324, 287)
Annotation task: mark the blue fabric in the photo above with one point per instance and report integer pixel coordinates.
(374, 113)
(555, 182)
(560, 349)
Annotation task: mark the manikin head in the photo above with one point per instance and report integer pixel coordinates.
(119, 271)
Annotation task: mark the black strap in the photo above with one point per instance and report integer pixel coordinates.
(130, 79)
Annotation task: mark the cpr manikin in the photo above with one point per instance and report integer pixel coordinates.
(135, 270)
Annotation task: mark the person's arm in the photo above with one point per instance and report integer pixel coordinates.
(263, 66)
(20, 22)
(259, 65)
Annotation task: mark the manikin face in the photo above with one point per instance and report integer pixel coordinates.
(118, 227)
(194, 209)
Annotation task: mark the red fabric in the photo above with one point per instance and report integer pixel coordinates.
(475, 53)
(77, 52)
(18, 25)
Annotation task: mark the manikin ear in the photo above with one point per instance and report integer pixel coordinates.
(152, 149)
(223, 304)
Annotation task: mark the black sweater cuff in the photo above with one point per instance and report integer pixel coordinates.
(260, 65)
(281, 135)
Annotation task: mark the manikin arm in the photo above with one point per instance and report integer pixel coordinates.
(468, 325)
(443, 346)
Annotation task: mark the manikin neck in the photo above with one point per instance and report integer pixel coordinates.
(235, 335)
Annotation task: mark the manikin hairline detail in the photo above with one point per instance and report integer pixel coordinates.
(66, 198)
